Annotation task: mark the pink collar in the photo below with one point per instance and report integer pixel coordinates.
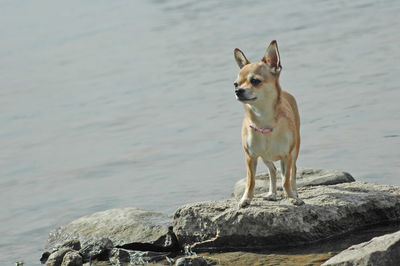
(262, 130)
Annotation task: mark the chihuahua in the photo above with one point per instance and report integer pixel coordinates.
(271, 126)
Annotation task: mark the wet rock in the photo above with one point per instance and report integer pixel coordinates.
(193, 261)
(144, 257)
(45, 257)
(305, 177)
(328, 211)
(56, 258)
(383, 250)
(119, 255)
(166, 243)
(139, 252)
(135, 257)
(72, 258)
(124, 225)
(98, 250)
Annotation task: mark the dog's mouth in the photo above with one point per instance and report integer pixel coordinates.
(244, 99)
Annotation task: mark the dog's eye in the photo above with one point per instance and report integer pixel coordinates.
(235, 84)
(255, 82)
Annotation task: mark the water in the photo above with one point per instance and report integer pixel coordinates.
(130, 103)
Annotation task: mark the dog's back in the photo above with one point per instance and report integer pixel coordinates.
(290, 102)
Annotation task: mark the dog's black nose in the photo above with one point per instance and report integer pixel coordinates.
(239, 91)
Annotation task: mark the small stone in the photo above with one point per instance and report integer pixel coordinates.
(72, 258)
(193, 261)
(44, 257)
(56, 258)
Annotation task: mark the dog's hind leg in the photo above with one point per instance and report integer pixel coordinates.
(289, 170)
(272, 180)
(286, 168)
(296, 200)
(251, 165)
(286, 164)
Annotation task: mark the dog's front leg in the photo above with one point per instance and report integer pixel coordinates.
(293, 183)
(251, 165)
(272, 180)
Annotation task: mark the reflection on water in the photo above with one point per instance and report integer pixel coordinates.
(131, 104)
(311, 254)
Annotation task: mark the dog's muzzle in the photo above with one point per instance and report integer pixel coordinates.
(241, 95)
(239, 92)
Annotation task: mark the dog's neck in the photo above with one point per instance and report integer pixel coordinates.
(263, 113)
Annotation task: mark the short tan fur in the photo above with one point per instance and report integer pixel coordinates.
(273, 111)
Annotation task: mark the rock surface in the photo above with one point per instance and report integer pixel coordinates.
(383, 250)
(72, 258)
(305, 177)
(72, 244)
(100, 249)
(121, 226)
(328, 211)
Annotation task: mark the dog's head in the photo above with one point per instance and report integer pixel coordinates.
(256, 81)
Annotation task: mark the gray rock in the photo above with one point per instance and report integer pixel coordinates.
(72, 244)
(328, 211)
(121, 226)
(305, 177)
(56, 258)
(99, 249)
(193, 261)
(383, 250)
(72, 258)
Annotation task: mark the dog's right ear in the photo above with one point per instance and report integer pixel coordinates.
(240, 58)
(272, 58)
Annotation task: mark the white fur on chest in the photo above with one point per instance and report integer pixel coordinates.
(270, 146)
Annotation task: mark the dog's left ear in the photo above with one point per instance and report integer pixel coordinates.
(272, 58)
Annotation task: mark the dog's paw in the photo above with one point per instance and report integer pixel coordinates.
(270, 196)
(244, 203)
(296, 201)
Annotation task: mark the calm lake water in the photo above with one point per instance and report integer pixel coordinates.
(130, 103)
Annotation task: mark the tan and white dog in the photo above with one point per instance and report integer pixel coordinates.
(271, 126)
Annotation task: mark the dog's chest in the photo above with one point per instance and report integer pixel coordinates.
(269, 146)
